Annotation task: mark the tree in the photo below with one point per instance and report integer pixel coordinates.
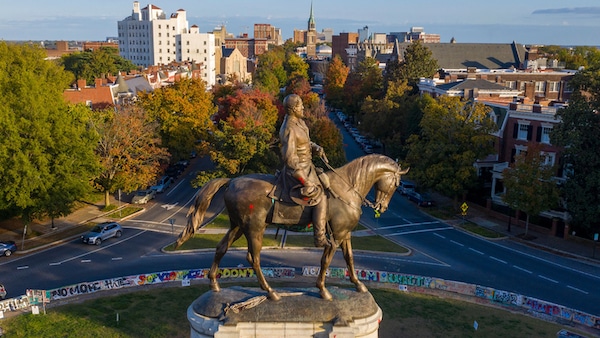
(129, 150)
(453, 135)
(365, 81)
(183, 112)
(90, 65)
(295, 67)
(578, 133)
(529, 185)
(270, 73)
(418, 62)
(46, 149)
(243, 141)
(335, 79)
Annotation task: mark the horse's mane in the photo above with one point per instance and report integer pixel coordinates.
(368, 164)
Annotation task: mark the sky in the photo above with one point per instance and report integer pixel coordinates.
(557, 22)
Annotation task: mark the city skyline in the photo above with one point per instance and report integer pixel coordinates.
(532, 22)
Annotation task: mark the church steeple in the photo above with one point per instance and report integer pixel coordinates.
(312, 26)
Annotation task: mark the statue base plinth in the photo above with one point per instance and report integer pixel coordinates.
(301, 312)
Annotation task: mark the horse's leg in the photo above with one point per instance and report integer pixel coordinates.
(253, 257)
(349, 257)
(328, 253)
(231, 236)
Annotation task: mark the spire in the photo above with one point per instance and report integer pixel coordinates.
(311, 20)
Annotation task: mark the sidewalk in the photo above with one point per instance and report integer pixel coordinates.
(574, 248)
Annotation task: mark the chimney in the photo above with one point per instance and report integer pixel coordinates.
(98, 82)
(81, 83)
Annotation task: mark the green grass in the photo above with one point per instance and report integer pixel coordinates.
(129, 210)
(161, 312)
(482, 231)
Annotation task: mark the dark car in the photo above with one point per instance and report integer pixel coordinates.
(102, 232)
(7, 248)
(422, 200)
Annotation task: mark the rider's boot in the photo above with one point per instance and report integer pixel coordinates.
(320, 238)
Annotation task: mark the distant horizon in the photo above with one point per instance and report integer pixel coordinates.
(542, 22)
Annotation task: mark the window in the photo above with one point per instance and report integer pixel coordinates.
(522, 85)
(548, 158)
(540, 86)
(545, 134)
(511, 84)
(523, 129)
(553, 86)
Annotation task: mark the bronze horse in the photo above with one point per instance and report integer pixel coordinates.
(249, 208)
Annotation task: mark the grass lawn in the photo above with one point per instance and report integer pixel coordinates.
(161, 312)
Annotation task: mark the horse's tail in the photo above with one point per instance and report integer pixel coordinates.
(197, 211)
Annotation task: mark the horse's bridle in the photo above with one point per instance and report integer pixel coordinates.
(365, 200)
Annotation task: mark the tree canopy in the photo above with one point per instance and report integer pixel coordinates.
(183, 112)
(90, 65)
(335, 78)
(453, 135)
(529, 185)
(46, 149)
(578, 133)
(129, 150)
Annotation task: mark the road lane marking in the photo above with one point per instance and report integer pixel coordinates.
(548, 279)
(94, 251)
(498, 260)
(477, 251)
(520, 268)
(86, 260)
(405, 225)
(576, 289)
(417, 231)
(440, 236)
(23, 267)
(457, 243)
(117, 258)
(402, 260)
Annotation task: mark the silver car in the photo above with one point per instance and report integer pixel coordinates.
(102, 232)
(143, 196)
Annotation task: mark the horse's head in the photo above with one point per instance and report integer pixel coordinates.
(385, 187)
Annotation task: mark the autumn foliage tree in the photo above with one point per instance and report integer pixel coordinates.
(129, 150)
(335, 79)
(183, 113)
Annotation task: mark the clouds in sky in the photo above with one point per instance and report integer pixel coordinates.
(569, 10)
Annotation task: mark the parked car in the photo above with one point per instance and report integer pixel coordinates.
(7, 248)
(174, 171)
(162, 184)
(101, 232)
(2, 292)
(143, 196)
(422, 200)
(405, 187)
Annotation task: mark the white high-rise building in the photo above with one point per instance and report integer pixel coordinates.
(149, 37)
(198, 48)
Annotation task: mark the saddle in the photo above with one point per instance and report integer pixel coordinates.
(290, 201)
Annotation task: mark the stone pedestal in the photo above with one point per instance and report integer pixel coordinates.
(300, 313)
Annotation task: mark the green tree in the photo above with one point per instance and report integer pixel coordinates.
(574, 58)
(270, 73)
(90, 65)
(129, 150)
(453, 135)
(335, 79)
(183, 112)
(295, 67)
(46, 151)
(365, 81)
(578, 133)
(418, 62)
(529, 185)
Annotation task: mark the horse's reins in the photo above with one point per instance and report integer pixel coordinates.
(365, 200)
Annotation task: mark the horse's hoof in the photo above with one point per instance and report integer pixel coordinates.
(361, 288)
(215, 287)
(274, 296)
(326, 295)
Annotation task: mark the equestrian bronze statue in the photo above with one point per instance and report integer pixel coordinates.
(252, 206)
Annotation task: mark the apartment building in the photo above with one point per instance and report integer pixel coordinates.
(151, 37)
